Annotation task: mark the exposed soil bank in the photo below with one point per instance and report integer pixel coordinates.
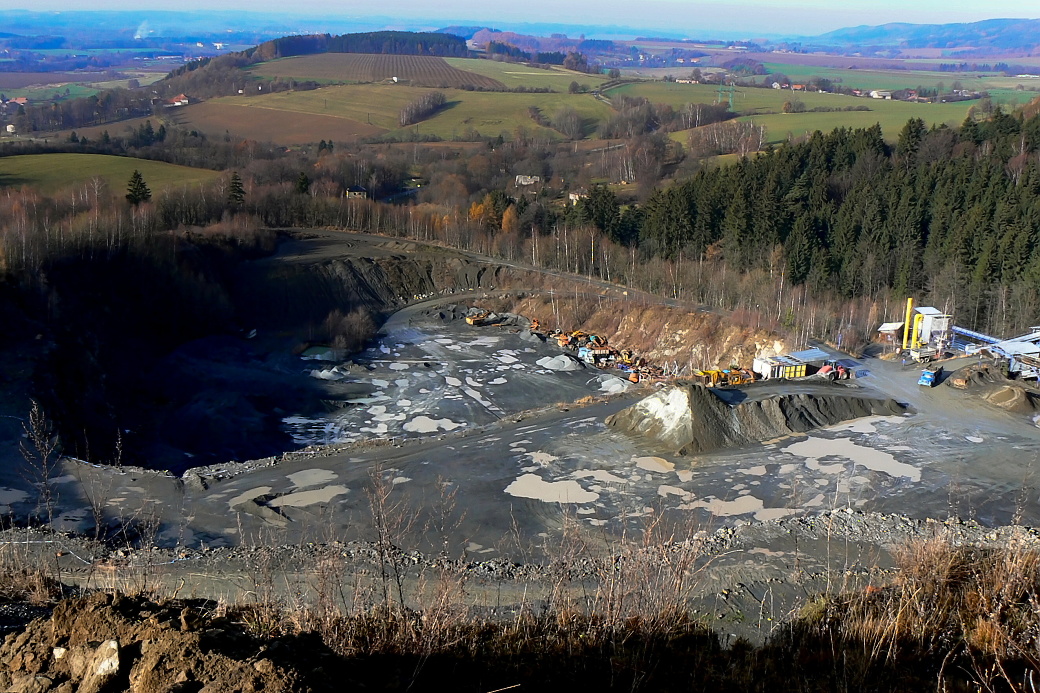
(691, 419)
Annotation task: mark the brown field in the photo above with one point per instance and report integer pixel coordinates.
(416, 70)
(264, 124)
(20, 80)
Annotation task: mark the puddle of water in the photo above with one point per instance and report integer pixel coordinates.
(875, 460)
(424, 424)
(311, 477)
(744, 505)
(534, 486)
(654, 464)
(302, 499)
(241, 498)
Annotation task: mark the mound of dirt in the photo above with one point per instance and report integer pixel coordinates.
(106, 643)
(1014, 398)
(691, 419)
(976, 375)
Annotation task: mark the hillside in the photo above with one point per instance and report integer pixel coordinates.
(52, 172)
(1019, 36)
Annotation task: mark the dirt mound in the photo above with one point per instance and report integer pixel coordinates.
(108, 643)
(691, 419)
(976, 375)
(1014, 398)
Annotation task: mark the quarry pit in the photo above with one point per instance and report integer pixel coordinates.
(488, 455)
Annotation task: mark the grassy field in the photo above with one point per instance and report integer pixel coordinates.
(376, 107)
(412, 70)
(53, 172)
(764, 107)
(516, 75)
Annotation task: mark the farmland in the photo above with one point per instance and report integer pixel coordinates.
(53, 172)
(519, 75)
(764, 106)
(350, 112)
(253, 119)
(414, 70)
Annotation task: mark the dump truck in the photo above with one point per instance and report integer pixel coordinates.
(930, 376)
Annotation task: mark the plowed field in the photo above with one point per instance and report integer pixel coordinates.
(416, 70)
(265, 124)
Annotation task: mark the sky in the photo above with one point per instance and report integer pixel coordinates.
(789, 17)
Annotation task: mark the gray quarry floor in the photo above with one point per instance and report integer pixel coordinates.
(478, 455)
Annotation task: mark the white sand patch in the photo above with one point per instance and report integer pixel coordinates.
(399, 366)
(600, 475)
(534, 486)
(498, 381)
(875, 460)
(454, 382)
(654, 464)
(424, 424)
(311, 477)
(543, 459)
(240, 498)
(301, 499)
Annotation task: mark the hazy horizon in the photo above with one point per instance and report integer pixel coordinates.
(765, 17)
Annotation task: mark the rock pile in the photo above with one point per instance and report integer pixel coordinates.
(690, 419)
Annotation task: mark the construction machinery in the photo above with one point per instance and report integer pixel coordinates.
(723, 378)
(930, 376)
(479, 318)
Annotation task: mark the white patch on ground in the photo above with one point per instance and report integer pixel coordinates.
(476, 396)
(473, 383)
(498, 381)
(404, 402)
(654, 464)
(401, 383)
(311, 477)
(815, 465)
(302, 499)
(399, 366)
(685, 475)
(759, 470)
(586, 511)
(600, 475)
(400, 480)
(454, 382)
(241, 498)
(385, 349)
(67, 479)
(534, 486)
(424, 424)
(378, 429)
(543, 459)
(444, 340)
(664, 491)
(380, 383)
(974, 439)
(506, 358)
(867, 424)
(875, 460)
(745, 505)
(424, 391)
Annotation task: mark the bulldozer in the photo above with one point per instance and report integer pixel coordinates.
(479, 318)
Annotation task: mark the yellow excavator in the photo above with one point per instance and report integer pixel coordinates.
(479, 318)
(722, 378)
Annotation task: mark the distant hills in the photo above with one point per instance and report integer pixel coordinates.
(1003, 35)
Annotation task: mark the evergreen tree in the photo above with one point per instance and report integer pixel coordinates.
(136, 190)
(236, 193)
(303, 184)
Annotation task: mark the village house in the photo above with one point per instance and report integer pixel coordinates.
(356, 192)
(528, 180)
